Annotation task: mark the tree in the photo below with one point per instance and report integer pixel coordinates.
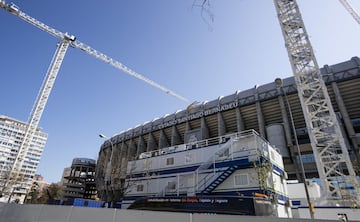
(46, 195)
(33, 196)
(10, 182)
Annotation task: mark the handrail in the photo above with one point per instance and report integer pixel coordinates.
(224, 142)
(209, 178)
(198, 144)
(212, 160)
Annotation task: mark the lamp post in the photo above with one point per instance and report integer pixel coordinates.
(279, 83)
(107, 178)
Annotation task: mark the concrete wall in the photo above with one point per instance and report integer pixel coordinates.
(330, 213)
(51, 213)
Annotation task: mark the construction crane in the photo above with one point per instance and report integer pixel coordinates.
(66, 40)
(350, 10)
(331, 154)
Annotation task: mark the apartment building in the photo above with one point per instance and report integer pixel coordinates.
(12, 132)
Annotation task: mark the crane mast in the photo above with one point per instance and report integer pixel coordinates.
(15, 175)
(16, 170)
(331, 154)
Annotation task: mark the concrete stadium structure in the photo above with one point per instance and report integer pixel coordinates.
(269, 109)
(80, 183)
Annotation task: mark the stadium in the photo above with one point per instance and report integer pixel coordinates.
(273, 110)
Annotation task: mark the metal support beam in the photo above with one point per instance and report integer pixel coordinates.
(15, 177)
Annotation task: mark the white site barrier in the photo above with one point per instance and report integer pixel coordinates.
(53, 213)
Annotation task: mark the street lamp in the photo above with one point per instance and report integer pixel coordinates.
(279, 83)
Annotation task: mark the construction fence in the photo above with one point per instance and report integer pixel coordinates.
(57, 213)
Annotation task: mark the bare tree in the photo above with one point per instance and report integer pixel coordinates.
(205, 10)
(10, 183)
(46, 195)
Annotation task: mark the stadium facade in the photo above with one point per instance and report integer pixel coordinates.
(269, 109)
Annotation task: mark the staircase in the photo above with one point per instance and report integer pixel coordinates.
(221, 150)
(212, 180)
(216, 181)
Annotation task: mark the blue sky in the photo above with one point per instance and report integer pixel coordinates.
(164, 40)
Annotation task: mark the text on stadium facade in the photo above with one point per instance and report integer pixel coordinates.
(199, 114)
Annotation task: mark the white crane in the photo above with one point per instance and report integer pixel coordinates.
(351, 11)
(331, 154)
(47, 85)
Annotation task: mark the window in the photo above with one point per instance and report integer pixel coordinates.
(307, 158)
(356, 125)
(140, 187)
(170, 161)
(241, 180)
(171, 185)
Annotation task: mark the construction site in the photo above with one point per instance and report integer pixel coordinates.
(249, 144)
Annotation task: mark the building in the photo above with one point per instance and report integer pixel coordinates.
(11, 135)
(241, 164)
(80, 181)
(65, 174)
(300, 209)
(38, 183)
(37, 188)
(265, 109)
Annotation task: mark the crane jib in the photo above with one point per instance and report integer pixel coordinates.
(15, 10)
(15, 177)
